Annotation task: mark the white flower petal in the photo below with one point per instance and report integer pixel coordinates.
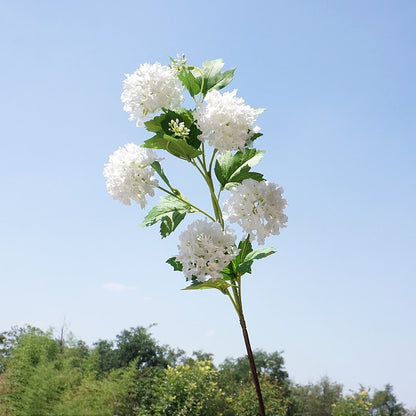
(205, 249)
(225, 121)
(149, 89)
(257, 207)
(129, 174)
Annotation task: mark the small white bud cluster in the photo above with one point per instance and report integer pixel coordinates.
(179, 64)
(179, 129)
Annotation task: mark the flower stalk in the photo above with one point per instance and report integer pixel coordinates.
(252, 366)
(237, 303)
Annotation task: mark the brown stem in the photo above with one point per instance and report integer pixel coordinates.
(252, 365)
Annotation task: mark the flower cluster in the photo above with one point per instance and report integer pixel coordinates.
(179, 64)
(178, 129)
(149, 89)
(205, 249)
(129, 174)
(225, 121)
(257, 207)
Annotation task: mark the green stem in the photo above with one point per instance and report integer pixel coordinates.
(232, 301)
(203, 157)
(201, 171)
(186, 202)
(206, 174)
(212, 160)
(201, 97)
(237, 297)
(215, 203)
(219, 193)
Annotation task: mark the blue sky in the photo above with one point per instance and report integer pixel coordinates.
(337, 79)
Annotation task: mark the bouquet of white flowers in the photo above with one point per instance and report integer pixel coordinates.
(217, 138)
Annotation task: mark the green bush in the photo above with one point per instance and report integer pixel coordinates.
(358, 404)
(244, 402)
(187, 390)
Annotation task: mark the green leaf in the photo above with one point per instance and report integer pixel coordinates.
(244, 267)
(177, 266)
(170, 212)
(212, 68)
(228, 272)
(154, 125)
(233, 270)
(219, 284)
(190, 83)
(245, 248)
(213, 77)
(170, 222)
(245, 174)
(233, 169)
(260, 253)
(175, 146)
(158, 168)
(255, 136)
(160, 126)
(222, 80)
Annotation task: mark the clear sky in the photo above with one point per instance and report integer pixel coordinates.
(338, 81)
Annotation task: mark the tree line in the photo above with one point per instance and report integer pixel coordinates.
(133, 375)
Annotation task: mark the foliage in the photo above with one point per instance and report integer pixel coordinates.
(358, 404)
(232, 169)
(37, 373)
(271, 364)
(10, 339)
(140, 390)
(314, 399)
(275, 400)
(135, 344)
(198, 356)
(188, 390)
(105, 356)
(169, 212)
(235, 380)
(384, 403)
(104, 397)
(135, 376)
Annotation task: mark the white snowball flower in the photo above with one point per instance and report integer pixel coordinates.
(257, 207)
(225, 121)
(129, 174)
(205, 249)
(149, 89)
